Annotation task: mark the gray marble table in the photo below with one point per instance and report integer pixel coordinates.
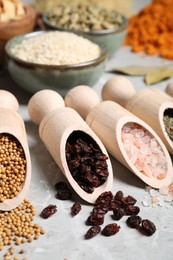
(64, 238)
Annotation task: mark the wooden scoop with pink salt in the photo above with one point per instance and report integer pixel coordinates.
(127, 138)
(150, 105)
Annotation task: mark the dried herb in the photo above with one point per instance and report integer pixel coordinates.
(152, 74)
(135, 70)
(158, 75)
(168, 122)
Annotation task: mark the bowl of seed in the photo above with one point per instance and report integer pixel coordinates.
(96, 23)
(54, 60)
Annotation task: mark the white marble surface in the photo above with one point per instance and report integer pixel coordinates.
(64, 238)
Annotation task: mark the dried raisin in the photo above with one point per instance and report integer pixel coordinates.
(131, 210)
(148, 228)
(105, 197)
(92, 232)
(110, 229)
(118, 213)
(95, 219)
(119, 195)
(49, 211)
(134, 221)
(63, 192)
(75, 209)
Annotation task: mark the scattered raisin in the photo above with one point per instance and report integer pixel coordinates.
(148, 228)
(129, 200)
(131, 210)
(134, 221)
(105, 197)
(110, 229)
(100, 209)
(95, 219)
(60, 185)
(75, 209)
(119, 195)
(63, 192)
(92, 232)
(118, 213)
(49, 211)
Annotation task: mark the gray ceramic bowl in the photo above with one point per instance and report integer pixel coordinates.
(111, 38)
(34, 77)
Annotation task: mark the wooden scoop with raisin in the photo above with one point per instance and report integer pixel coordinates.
(76, 149)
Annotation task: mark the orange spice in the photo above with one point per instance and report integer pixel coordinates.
(151, 30)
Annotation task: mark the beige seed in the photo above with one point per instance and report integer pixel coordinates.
(22, 251)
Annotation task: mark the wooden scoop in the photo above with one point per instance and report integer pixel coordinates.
(56, 124)
(169, 89)
(11, 123)
(149, 105)
(107, 120)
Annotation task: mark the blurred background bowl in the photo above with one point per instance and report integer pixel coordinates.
(111, 38)
(34, 77)
(12, 28)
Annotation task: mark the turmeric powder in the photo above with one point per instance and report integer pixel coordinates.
(151, 30)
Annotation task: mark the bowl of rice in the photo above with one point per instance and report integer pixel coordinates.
(54, 60)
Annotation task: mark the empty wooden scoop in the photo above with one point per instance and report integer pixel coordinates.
(108, 120)
(59, 126)
(15, 163)
(149, 105)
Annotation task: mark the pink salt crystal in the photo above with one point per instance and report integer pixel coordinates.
(146, 171)
(153, 192)
(161, 176)
(126, 136)
(137, 143)
(164, 190)
(144, 151)
(170, 187)
(154, 199)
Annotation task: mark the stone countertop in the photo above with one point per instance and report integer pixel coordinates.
(64, 238)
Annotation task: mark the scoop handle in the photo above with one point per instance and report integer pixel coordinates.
(118, 89)
(8, 100)
(42, 103)
(82, 99)
(169, 89)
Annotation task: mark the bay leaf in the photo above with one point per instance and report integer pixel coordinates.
(138, 70)
(153, 77)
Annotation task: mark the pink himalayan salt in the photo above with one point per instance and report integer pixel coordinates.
(162, 197)
(144, 151)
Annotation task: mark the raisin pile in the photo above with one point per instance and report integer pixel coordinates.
(86, 162)
(121, 206)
